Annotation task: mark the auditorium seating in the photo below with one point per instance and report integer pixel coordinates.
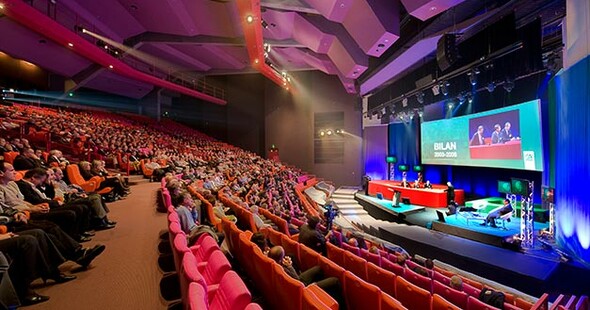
(439, 303)
(356, 265)
(360, 294)
(382, 278)
(393, 267)
(417, 279)
(410, 295)
(451, 295)
(390, 303)
(371, 257)
(475, 304)
(314, 298)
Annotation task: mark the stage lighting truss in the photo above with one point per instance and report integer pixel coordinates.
(508, 85)
(527, 218)
(330, 132)
(491, 87)
(472, 74)
(420, 97)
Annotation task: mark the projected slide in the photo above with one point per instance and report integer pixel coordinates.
(504, 138)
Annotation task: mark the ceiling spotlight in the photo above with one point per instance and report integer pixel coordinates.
(264, 24)
(338, 131)
(106, 47)
(256, 61)
(469, 98)
(472, 77)
(508, 85)
(444, 87)
(436, 90)
(322, 133)
(491, 87)
(110, 66)
(329, 132)
(265, 55)
(451, 105)
(1, 6)
(266, 47)
(461, 98)
(249, 19)
(289, 79)
(420, 97)
(421, 113)
(71, 44)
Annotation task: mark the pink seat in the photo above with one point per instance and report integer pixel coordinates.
(167, 199)
(217, 265)
(410, 295)
(360, 294)
(231, 294)
(189, 273)
(253, 306)
(455, 297)
(203, 250)
(173, 217)
(441, 278)
(439, 303)
(418, 279)
(197, 297)
(371, 257)
(393, 267)
(382, 278)
(356, 265)
(470, 290)
(352, 249)
(475, 304)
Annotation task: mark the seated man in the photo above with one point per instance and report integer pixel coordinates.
(497, 213)
(428, 185)
(311, 237)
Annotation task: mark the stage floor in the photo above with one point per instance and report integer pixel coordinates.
(387, 205)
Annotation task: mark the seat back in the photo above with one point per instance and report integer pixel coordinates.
(179, 248)
(263, 275)
(390, 303)
(451, 295)
(226, 227)
(291, 247)
(356, 265)
(476, 304)
(315, 298)
(10, 156)
(523, 304)
(360, 294)
(288, 292)
(231, 294)
(441, 278)
(274, 236)
(418, 279)
(335, 254)
(470, 290)
(382, 278)
(253, 306)
(217, 266)
(197, 297)
(74, 175)
(307, 258)
(167, 198)
(206, 247)
(410, 295)
(189, 273)
(371, 257)
(352, 249)
(331, 269)
(393, 267)
(439, 303)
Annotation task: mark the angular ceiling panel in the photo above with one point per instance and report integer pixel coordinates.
(425, 9)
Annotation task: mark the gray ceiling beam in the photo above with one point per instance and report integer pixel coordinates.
(156, 37)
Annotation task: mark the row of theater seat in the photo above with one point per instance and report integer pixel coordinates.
(206, 278)
(380, 270)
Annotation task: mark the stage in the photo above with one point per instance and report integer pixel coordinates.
(435, 197)
(384, 209)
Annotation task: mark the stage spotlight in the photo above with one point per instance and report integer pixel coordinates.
(508, 85)
(329, 132)
(421, 113)
(461, 98)
(256, 61)
(420, 97)
(339, 131)
(491, 87)
(451, 105)
(71, 94)
(469, 97)
(79, 28)
(249, 19)
(472, 78)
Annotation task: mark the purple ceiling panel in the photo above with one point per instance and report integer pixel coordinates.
(163, 51)
(20, 42)
(280, 24)
(309, 35)
(425, 9)
(106, 17)
(344, 52)
(161, 16)
(113, 83)
(414, 54)
(289, 58)
(216, 58)
(212, 18)
(321, 62)
(334, 10)
(373, 24)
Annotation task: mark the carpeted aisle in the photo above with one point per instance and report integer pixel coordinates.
(126, 275)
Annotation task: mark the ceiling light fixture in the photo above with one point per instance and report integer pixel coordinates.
(110, 66)
(1, 6)
(249, 19)
(71, 44)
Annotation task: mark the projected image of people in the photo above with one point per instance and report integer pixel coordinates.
(492, 140)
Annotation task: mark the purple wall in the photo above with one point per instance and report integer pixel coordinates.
(375, 152)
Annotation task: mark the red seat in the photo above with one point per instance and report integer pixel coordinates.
(390, 303)
(197, 297)
(360, 294)
(470, 290)
(231, 294)
(263, 277)
(441, 278)
(203, 250)
(371, 257)
(245, 253)
(189, 273)
(455, 297)
(418, 279)
(217, 265)
(475, 304)
(382, 278)
(393, 267)
(335, 254)
(10, 156)
(288, 292)
(523, 304)
(291, 247)
(274, 236)
(352, 249)
(331, 269)
(307, 257)
(509, 306)
(410, 295)
(315, 298)
(356, 265)
(173, 217)
(439, 303)
(253, 306)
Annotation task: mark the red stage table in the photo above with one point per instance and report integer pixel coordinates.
(434, 198)
(509, 150)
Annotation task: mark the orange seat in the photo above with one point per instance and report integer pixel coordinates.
(335, 254)
(360, 294)
(523, 304)
(263, 277)
(390, 303)
(451, 295)
(226, 227)
(382, 278)
(331, 269)
(10, 156)
(274, 236)
(410, 295)
(291, 247)
(439, 303)
(475, 304)
(287, 293)
(315, 298)
(356, 265)
(307, 257)
(76, 178)
(418, 279)
(146, 172)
